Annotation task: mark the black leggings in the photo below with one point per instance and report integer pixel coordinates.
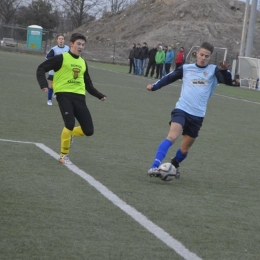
(74, 106)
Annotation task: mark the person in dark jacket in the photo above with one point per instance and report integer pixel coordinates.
(138, 58)
(151, 63)
(145, 51)
(131, 59)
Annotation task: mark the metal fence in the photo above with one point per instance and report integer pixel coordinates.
(108, 51)
(118, 52)
(19, 34)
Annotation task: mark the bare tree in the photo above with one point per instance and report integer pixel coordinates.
(32, 14)
(8, 9)
(81, 11)
(118, 5)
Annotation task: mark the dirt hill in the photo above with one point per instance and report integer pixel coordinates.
(176, 22)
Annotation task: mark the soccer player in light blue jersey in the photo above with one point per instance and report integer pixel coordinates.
(56, 50)
(199, 81)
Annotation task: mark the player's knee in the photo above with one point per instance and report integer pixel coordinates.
(88, 132)
(172, 138)
(185, 150)
(70, 125)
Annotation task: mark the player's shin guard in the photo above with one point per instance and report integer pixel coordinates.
(65, 141)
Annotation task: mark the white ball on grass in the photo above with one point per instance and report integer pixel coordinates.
(168, 171)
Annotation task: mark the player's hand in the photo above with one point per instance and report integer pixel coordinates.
(223, 65)
(149, 87)
(44, 89)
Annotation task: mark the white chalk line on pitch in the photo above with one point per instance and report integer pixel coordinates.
(158, 232)
(143, 78)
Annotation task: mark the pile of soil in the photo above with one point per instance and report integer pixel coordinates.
(184, 23)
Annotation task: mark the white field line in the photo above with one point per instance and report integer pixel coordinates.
(143, 78)
(244, 100)
(158, 232)
(117, 72)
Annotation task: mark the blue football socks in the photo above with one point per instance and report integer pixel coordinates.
(50, 92)
(179, 157)
(161, 152)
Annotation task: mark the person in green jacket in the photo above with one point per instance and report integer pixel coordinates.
(159, 59)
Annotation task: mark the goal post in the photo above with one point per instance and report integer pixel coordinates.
(249, 72)
(219, 54)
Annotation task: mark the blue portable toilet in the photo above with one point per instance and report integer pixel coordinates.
(34, 37)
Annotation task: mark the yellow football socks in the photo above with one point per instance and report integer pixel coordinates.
(77, 131)
(65, 141)
(66, 135)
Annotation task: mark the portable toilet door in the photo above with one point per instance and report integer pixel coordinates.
(34, 37)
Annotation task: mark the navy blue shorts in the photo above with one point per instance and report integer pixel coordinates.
(191, 124)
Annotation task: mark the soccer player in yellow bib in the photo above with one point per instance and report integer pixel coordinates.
(71, 81)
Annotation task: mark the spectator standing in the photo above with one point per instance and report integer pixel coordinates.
(151, 63)
(131, 59)
(145, 51)
(165, 48)
(159, 59)
(256, 85)
(138, 58)
(168, 59)
(180, 58)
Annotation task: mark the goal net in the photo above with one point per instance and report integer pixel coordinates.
(219, 54)
(249, 72)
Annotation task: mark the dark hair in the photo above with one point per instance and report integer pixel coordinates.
(58, 35)
(207, 46)
(77, 36)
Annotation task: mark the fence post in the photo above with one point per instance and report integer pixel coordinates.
(114, 52)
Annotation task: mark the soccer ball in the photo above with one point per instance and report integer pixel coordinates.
(168, 171)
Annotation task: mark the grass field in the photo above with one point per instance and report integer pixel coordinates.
(50, 211)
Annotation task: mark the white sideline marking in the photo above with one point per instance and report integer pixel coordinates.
(214, 94)
(166, 238)
(244, 100)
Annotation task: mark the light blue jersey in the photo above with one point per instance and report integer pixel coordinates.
(197, 87)
(198, 84)
(56, 50)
